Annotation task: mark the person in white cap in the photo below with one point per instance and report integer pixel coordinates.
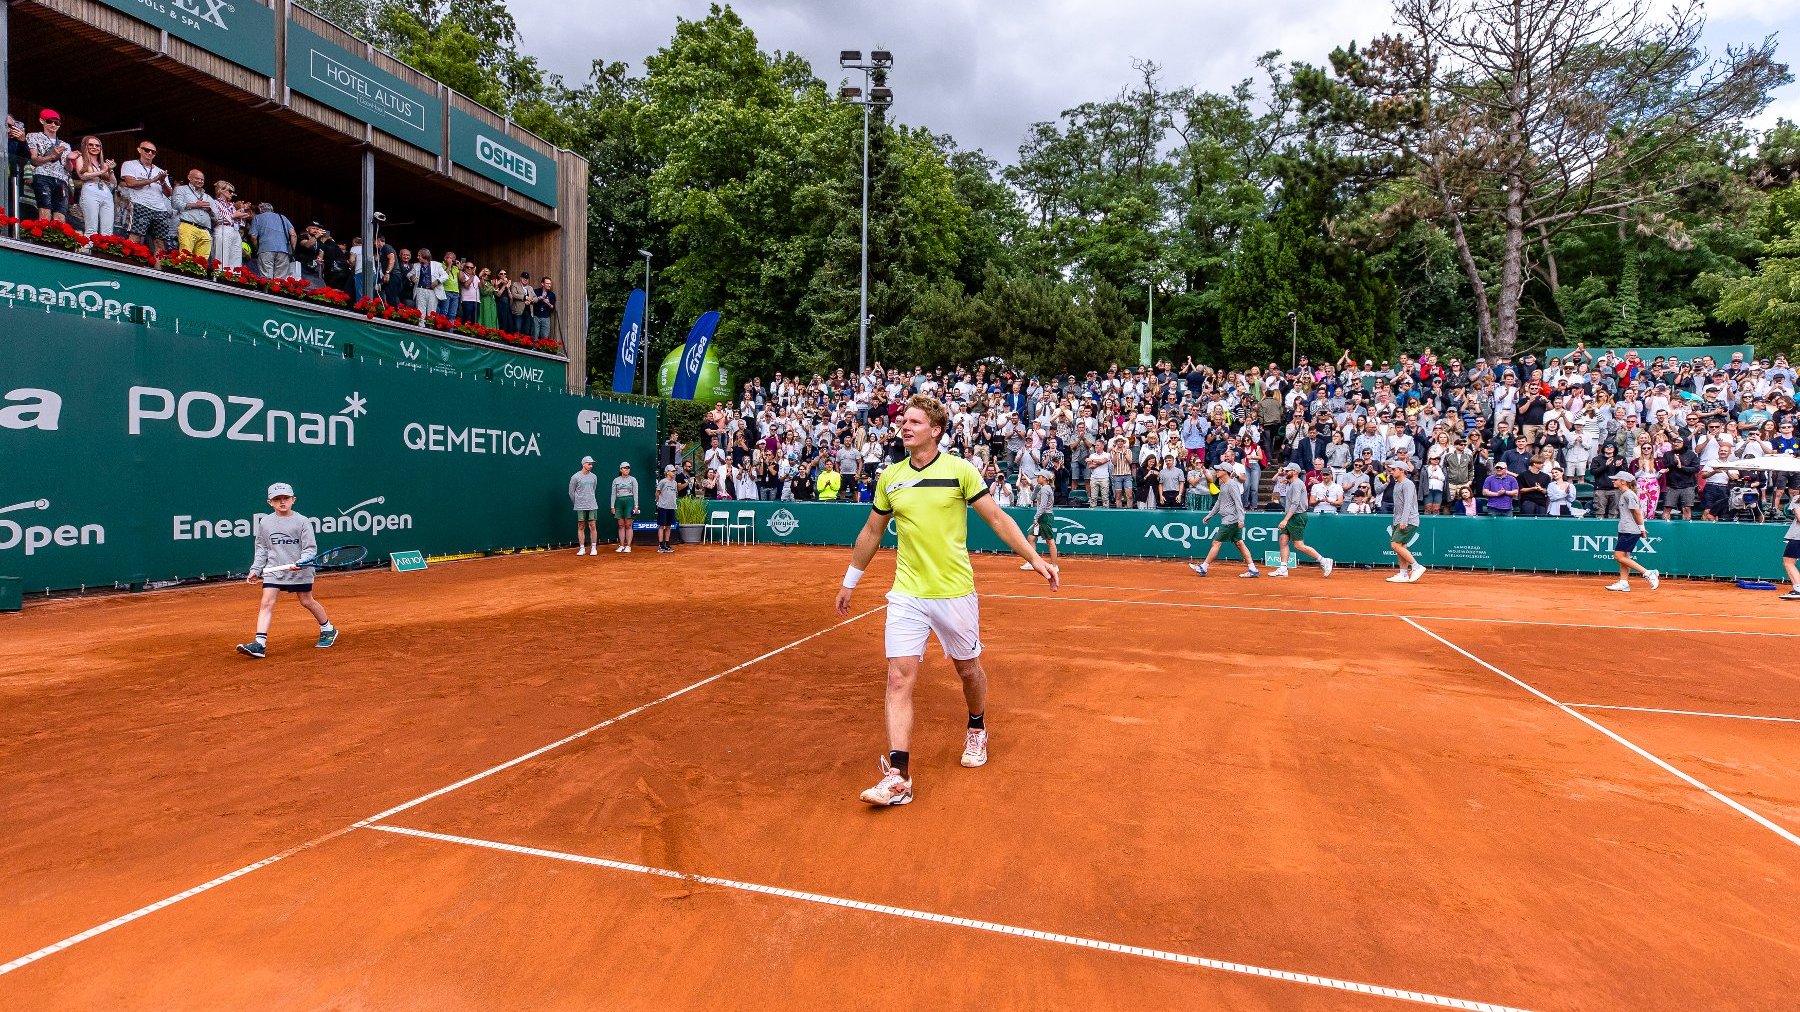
(666, 492)
(282, 539)
(584, 486)
(1631, 534)
(1291, 490)
(1406, 522)
(624, 504)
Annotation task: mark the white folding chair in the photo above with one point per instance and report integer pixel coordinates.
(720, 521)
(746, 523)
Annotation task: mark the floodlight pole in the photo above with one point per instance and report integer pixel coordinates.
(879, 59)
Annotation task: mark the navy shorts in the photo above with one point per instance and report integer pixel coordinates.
(665, 517)
(291, 588)
(1792, 551)
(50, 194)
(1627, 543)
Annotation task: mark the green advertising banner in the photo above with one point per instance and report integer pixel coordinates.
(346, 82)
(242, 31)
(1548, 544)
(52, 282)
(488, 152)
(130, 454)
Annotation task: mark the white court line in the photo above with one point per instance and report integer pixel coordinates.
(964, 922)
(1615, 736)
(124, 919)
(1608, 606)
(1684, 713)
(1384, 614)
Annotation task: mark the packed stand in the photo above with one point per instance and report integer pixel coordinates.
(1503, 437)
(138, 211)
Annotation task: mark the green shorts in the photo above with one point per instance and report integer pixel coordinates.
(1404, 533)
(1228, 534)
(622, 507)
(1045, 527)
(581, 515)
(1296, 527)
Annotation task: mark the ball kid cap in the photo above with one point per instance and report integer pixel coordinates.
(279, 489)
(587, 460)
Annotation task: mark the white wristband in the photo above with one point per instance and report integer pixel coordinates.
(852, 576)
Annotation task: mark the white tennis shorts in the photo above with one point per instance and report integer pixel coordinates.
(912, 620)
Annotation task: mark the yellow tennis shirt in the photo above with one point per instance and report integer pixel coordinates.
(930, 507)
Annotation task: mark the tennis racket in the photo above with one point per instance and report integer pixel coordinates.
(331, 558)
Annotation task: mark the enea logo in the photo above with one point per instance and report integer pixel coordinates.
(35, 537)
(84, 298)
(628, 348)
(358, 518)
(783, 523)
(201, 414)
(295, 333)
(31, 408)
(1069, 532)
(496, 155)
(696, 357)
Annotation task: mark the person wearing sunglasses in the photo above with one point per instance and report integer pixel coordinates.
(150, 209)
(50, 167)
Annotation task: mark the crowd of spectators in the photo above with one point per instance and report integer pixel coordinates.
(1497, 437)
(141, 201)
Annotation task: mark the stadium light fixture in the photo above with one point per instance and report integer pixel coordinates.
(877, 98)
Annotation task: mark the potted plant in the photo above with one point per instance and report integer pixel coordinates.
(690, 519)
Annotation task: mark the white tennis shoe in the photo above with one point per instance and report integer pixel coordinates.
(1402, 576)
(893, 789)
(1279, 571)
(975, 748)
(1413, 575)
(1654, 578)
(1325, 566)
(1622, 587)
(581, 551)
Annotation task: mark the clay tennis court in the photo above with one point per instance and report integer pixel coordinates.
(630, 782)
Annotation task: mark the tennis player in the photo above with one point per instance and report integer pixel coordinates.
(1292, 490)
(1406, 522)
(282, 539)
(1229, 508)
(929, 495)
(1631, 534)
(624, 504)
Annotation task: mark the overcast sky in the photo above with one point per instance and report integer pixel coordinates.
(985, 70)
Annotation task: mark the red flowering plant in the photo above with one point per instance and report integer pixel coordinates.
(117, 247)
(183, 262)
(376, 309)
(46, 232)
(326, 295)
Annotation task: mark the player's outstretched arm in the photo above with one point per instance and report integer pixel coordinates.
(1015, 539)
(867, 541)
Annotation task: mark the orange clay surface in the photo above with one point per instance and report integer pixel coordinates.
(1282, 775)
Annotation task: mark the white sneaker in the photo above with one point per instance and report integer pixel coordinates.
(1024, 567)
(1198, 568)
(1622, 587)
(1279, 571)
(975, 748)
(627, 549)
(1250, 574)
(1401, 577)
(1325, 566)
(581, 551)
(1654, 578)
(893, 789)
(618, 548)
(1413, 576)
